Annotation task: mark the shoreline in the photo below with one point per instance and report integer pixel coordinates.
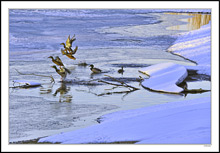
(35, 141)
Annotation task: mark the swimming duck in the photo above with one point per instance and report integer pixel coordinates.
(121, 70)
(57, 61)
(94, 70)
(62, 72)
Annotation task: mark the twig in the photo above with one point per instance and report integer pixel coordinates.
(87, 92)
(51, 77)
(122, 83)
(116, 92)
(112, 88)
(107, 93)
(109, 83)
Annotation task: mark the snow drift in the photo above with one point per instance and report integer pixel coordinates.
(164, 77)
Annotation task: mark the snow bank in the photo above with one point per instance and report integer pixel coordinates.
(196, 46)
(186, 122)
(164, 77)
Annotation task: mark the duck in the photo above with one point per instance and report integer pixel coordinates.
(94, 70)
(69, 55)
(64, 45)
(66, 48)
(70, 41)
(73, 51)
(62, 72)
(121, 70)
(69, 51)
(64, 52)
(57, 61)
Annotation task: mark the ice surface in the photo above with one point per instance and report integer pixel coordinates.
(164, 77)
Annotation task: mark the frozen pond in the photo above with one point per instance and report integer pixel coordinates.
(108, 39)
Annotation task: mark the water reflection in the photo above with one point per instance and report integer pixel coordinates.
(46, 90)
(63, 90)
(194, 23)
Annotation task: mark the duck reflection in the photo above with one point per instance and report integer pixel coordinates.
(46, 90)
(63, 90)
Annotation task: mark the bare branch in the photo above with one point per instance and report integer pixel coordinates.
(116, 85)
(51, 77)
(122, 83)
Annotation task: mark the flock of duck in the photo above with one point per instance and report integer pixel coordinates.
(63, 71)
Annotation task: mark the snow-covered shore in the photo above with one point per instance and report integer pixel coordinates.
(196, 46)
(181, 122)
(185, 122)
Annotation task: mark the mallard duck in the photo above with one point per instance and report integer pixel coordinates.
(69, 51)
(62, 72)
(67, 54)
(94, 70)
(70, 56)
(70, 41)
(73, 51)
(64, 45)
(121, 70)
(64, 52)
(57, 61)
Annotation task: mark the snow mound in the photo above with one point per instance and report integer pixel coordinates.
(164, 77)
(182, 122)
